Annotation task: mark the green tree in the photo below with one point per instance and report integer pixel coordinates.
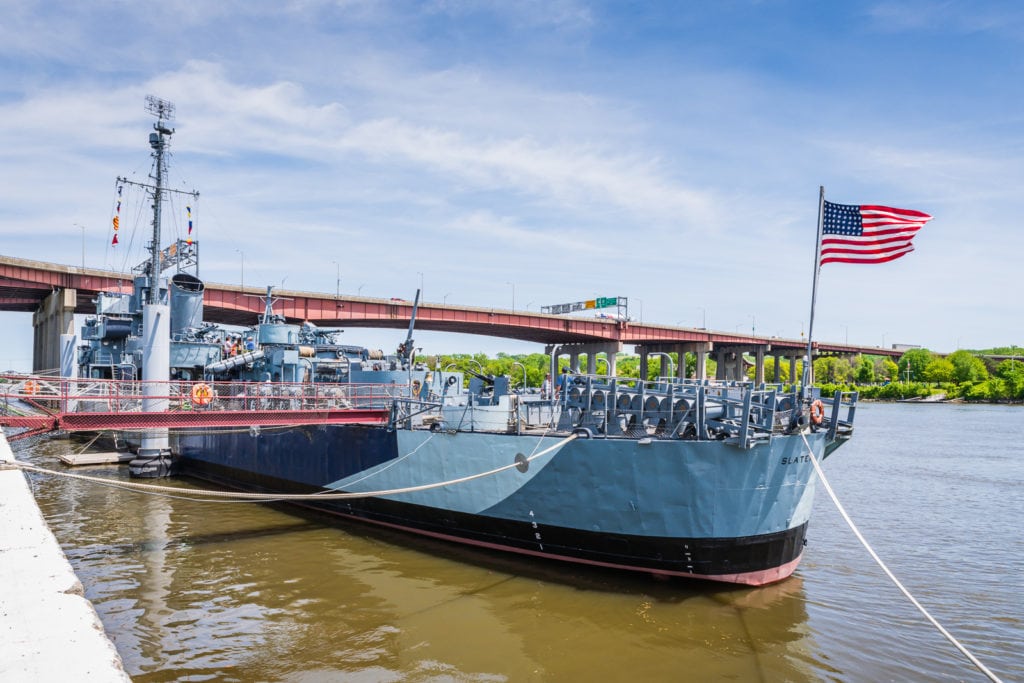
(967, 367)
(1012, 373)
(628, 366)
(889, 369)
(916, 360)
(939, 370)
(865, 373)
(832, 370)
(691, 364)
(1009, 368)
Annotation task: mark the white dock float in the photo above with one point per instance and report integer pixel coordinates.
(104, 458)
(48, 630)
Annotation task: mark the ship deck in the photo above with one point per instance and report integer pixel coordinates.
(40, 404)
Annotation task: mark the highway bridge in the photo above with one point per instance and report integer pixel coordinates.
(55, 292)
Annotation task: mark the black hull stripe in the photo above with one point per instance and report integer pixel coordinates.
(698, 557)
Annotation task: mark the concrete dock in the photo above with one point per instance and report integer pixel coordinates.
(49, 631)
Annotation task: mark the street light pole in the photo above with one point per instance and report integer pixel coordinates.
(83, 243)
(337, 284)
(243, 267)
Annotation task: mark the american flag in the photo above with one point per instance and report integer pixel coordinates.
(868, 234)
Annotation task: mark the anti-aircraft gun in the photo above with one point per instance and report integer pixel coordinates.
(406, 350)
(487, 389)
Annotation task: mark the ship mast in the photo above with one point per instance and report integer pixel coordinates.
(154, 456)
(159, 141)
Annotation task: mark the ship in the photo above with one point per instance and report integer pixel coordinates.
(665, 476)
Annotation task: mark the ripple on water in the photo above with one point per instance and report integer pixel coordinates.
(247, 592)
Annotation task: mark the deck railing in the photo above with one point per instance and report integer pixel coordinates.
(42, 403)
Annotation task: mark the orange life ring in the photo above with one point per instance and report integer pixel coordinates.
(31, 387)
(817, 412)
(202, 394)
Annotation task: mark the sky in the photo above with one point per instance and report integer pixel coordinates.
(521, 154)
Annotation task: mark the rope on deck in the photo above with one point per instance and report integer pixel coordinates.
(853, 527)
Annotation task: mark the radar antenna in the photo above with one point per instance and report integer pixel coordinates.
(162, 109)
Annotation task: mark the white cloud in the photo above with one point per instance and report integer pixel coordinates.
(479, 142)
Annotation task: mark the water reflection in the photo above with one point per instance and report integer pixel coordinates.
(244, 592)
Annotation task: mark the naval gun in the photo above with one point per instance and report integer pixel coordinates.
(487, 389)
(406, 352)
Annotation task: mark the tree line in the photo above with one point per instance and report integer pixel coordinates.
(919, 373)
(964, 374)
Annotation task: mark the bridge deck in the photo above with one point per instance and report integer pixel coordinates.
(24, 284)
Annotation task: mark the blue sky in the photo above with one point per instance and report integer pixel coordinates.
(667, 152)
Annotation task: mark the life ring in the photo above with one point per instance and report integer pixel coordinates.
(31, 387)
(452, 380)
(817, 412)
(202, 394)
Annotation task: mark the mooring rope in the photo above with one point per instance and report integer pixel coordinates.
(275, 497)
(853, 527)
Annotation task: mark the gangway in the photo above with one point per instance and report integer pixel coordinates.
(43, 404)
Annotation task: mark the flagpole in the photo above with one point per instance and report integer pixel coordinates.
(808, 374)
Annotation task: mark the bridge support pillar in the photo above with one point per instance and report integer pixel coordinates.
(792, 370)
(759, 365)
(592, 351)
(730, 364)
(699, 349)
(54, 317)
(609, 350)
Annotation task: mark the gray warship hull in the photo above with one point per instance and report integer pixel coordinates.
(700, 509)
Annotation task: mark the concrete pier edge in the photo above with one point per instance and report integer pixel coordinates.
(49, 631)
